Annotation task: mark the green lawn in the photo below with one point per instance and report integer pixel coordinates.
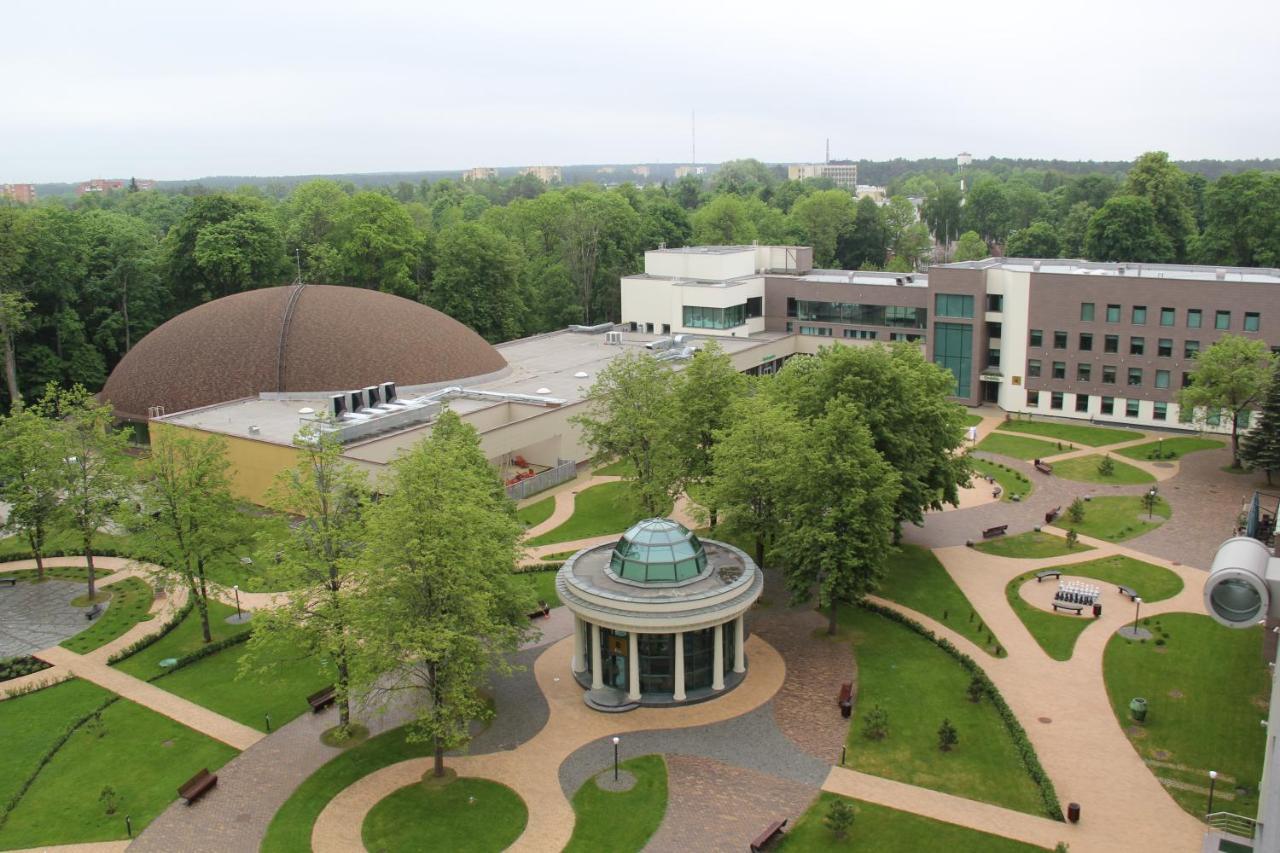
(621, 822)
(1084, 469)
(1030, 545)
(1016, 446)
(466, 815)
(32, 723)
(261, 532)
(182, 640)
(1206, 689)
(142, 755)
(1011, 482)
(599, 510)
(1090, 436)
(1116, 518)
(621, 468)
(1179, 447)
(62, 540)
(290, 829)
(1057, 632)
(887, 830)
(972, 420)
(537, 512)
(915, 578)
(130, 600)
(918, 685)
(544, 586)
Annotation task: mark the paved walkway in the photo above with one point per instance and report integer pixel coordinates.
(34, 615)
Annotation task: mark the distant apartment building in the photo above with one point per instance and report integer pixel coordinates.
(842, 173)
(683, 171)
(480, 173)
(546, 174)
(21, 193)
(105, 185)
(640, 171)
(605, 170)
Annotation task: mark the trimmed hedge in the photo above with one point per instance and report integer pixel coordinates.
(536, 568)
(16, 667)
(1052, 807)
(106, 551)
(203, 652)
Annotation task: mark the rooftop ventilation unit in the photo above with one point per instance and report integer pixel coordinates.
(898, 281)
(254, 430)
(597, 329)
(357, 401)
(338, 406)
(389, 393)
(613, 338)
(659, 344)
(1220, 274)
(1120, 269)
(1035, 265)
(372, 397)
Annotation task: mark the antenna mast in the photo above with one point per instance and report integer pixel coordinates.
(297, 254)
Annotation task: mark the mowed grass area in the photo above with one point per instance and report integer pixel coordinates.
(1084, 469)
(972, 420)
(1016, 446)
(620, 468)
(537, 512)
(1011, 482)
(1206, 689)
(1033, 544)
(914, 578)
(290, 829)
(599, 510)
(887, 830)
(1090, 436)
(918, 685)
(182, 640)
(621, 822)
(61, 541)
(1116, 518)
(466, 815)
(543, 585)
(1057, 632)
(130, 600)
(1171, 448)
(32, 723)
(142, 755)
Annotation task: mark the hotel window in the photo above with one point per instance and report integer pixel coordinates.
(1059, 370)
(1164, 348)
(819, 331)
(1222, 320)
(952, 305)
(1033, 368)
(1033, 399)
(755, 307)
(1113, 313)
(1193, 318)
(1108, 374)
(1135, 375)
(1086, 312)
(1131, 408)
(1083, 372)
(1186, 379)
(1251, 321)
(1137, 346)
(953, 349)
(1036, 338)
(1160, 411)
(1055, 400)
(1059, 340)
(1111, 343)
(1082, 402)
(995, 302)
(993, 357)
(1139, 315)
(1162, 379)
(1108, 405)
(698, 317)
(1086, 341)
(1168, 316)
(1190, 348)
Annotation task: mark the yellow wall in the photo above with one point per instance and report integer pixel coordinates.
(254, 464)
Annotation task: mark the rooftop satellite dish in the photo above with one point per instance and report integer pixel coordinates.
(306, 410)
(543, 391)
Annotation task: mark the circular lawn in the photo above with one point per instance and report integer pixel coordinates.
(466, 815)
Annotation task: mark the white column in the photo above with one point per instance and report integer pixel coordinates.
(679, 694)
(597, 670)
(579, 645)
(717, 661)
(633, 668)
(739, 656)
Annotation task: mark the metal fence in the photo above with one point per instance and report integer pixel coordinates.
(564, 471)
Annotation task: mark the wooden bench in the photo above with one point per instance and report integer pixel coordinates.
(1048, 573)
(771, 832)
(93, 612)
(1077, 609)
(1052, 514)
(846, 693)
(1127, 590)
(197, 786)
(992, 532)
(322, 699)
(543, 611)
(1044, 467)
(8, 581)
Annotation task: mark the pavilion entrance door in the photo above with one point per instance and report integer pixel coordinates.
(614, 663)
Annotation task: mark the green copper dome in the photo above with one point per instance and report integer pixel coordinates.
(658, 550)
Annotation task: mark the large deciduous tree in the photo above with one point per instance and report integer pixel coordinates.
(865, 243)
(476, 280)
(1038, 240)
(1230, 377)
(702, 397)
(971, 247)
(821, 218)
(33, 474)
(376, 244)
(1125, 229)
(1165, 186)
(1260, 449)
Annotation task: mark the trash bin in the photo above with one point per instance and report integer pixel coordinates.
(846, 708)
(1073, 812)
(1097, 610)
(1138, 709)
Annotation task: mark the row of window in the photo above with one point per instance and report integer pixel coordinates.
(1084, 373)
(1111, 343)
(857, 314)
(1107, 406)
(854, 334)
(698, 317)
(1169, 317)
(952, 305)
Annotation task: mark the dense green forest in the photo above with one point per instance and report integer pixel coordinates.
(82, 280)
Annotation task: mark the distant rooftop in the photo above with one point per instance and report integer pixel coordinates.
(1066, 266)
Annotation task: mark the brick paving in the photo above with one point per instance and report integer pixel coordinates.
(34, 616)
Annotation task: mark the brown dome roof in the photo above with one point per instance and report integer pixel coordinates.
(294, 338)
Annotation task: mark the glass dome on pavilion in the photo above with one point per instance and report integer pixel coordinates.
(658, 550)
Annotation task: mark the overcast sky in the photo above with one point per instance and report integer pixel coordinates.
(189, 88)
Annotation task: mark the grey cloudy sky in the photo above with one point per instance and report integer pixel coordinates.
(185, 89)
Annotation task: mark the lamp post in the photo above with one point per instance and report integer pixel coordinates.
(1137, 608)
(1151, 502)
(236, 588)
(616, 739)
(1213, 778)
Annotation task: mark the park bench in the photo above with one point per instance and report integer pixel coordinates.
(992, 532)
(845, 699)
(1127, 590)
(1048, 573)
(93, 612)
(8, 581)
(197, 786)
(543, 611)
(1044, 467)
(1052, 514)
(1077, 609)
(322, 699)
(771, 832)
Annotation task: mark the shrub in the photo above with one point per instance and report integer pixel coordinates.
(1073, 538)
(976, 689)
(109, 799)
(947, 736)
(20, 666)
(875, 726)
(1075, 511)
(1106, 467)
(839, 817)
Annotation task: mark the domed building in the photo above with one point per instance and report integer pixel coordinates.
(293, 340)
(658, 616)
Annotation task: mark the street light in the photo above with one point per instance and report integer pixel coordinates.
(616, 739)
(236, 589)
(1137, 607)
(1151, 502)
(1213, 778)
